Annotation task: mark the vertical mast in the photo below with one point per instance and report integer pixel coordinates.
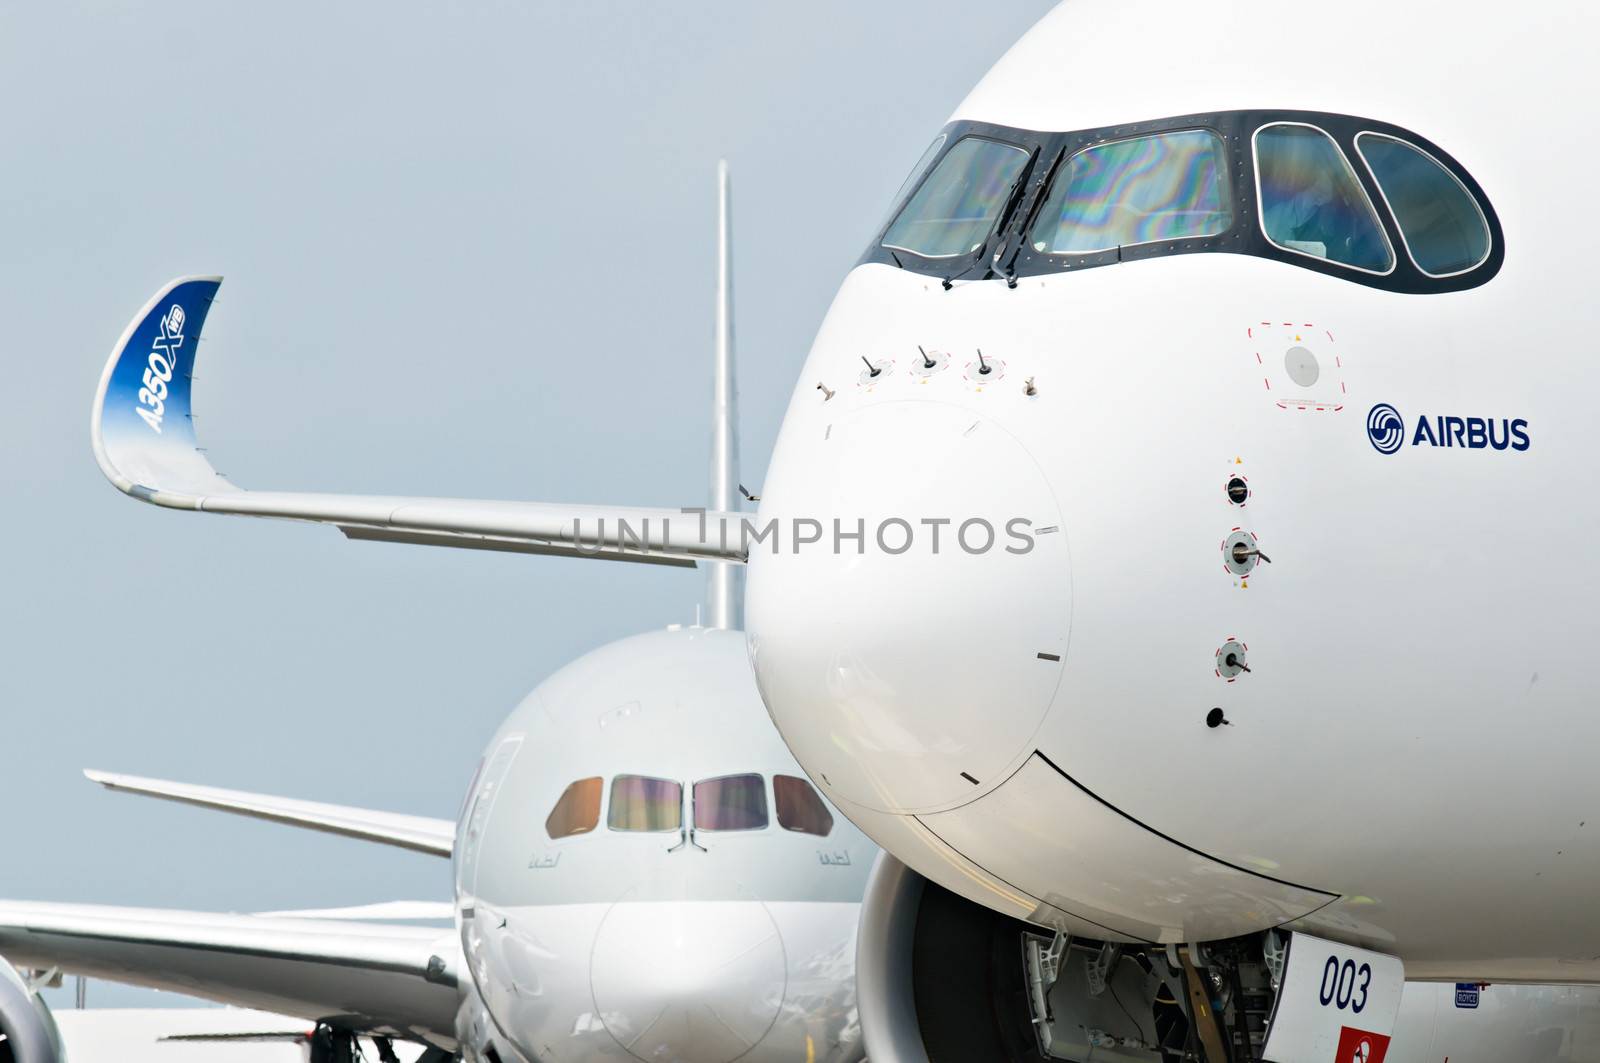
(724, 601)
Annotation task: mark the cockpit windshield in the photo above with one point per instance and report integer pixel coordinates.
(1344, 196)
(799, 807)
(1443, 229)
(1311, 201)
(1163, 187)
(928, 155)
(732, 802)
(954, 209)
(578, 810)
(640, 803)
(644, 804)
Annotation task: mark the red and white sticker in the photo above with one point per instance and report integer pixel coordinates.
(1361, 1046)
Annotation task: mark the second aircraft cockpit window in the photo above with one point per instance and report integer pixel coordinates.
(732, 802)
(800, 809)
(640, 803)
(646, 804)
(1325, 192)
(578, 810)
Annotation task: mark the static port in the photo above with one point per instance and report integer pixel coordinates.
(873, 372)
(1231, 661)
(927, 363)
(1240, 552)
(1238, 490)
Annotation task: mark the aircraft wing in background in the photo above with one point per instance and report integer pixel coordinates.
(144, 440)
(395, 981)
(419, 833)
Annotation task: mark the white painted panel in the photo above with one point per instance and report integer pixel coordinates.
(1045, 835)
(1337, 1005)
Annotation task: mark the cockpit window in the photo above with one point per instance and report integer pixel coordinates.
(578, 810)
(1440, 223)
(1163, 187)
(954, 209)
(640, 803)
(799, 806)
(1311, 201)
(916, 173)
(1349, 197)
(732, 802)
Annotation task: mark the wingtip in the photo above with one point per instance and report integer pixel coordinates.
(142, 426)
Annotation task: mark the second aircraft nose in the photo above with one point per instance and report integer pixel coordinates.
(910, 660)
(688, 982)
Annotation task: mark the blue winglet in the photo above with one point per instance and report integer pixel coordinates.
(143, 426)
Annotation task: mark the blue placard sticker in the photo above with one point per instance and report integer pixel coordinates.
(1467, 994)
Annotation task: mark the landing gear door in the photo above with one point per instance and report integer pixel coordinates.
(1336, 1004)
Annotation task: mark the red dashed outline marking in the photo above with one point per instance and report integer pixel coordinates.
(1236, 505)
(1227, 639)
(1223, 547)
(1318, 407)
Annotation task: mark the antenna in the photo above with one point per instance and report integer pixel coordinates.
(724, 600)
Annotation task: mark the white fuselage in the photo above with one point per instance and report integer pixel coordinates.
(637, 939)
(1406, 765)
(1446, 1023)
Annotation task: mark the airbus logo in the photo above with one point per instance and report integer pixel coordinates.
(1385, 428)
(1386, 431)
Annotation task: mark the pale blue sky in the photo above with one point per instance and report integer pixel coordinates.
(468, 251)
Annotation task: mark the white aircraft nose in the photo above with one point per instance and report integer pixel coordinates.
(909, 678)
(688, 982)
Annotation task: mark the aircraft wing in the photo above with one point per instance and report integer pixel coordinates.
(144, 440)
(418, 833)
(398, 981)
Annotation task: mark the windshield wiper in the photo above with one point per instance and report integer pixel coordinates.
(982, 254)
(1016, 235)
